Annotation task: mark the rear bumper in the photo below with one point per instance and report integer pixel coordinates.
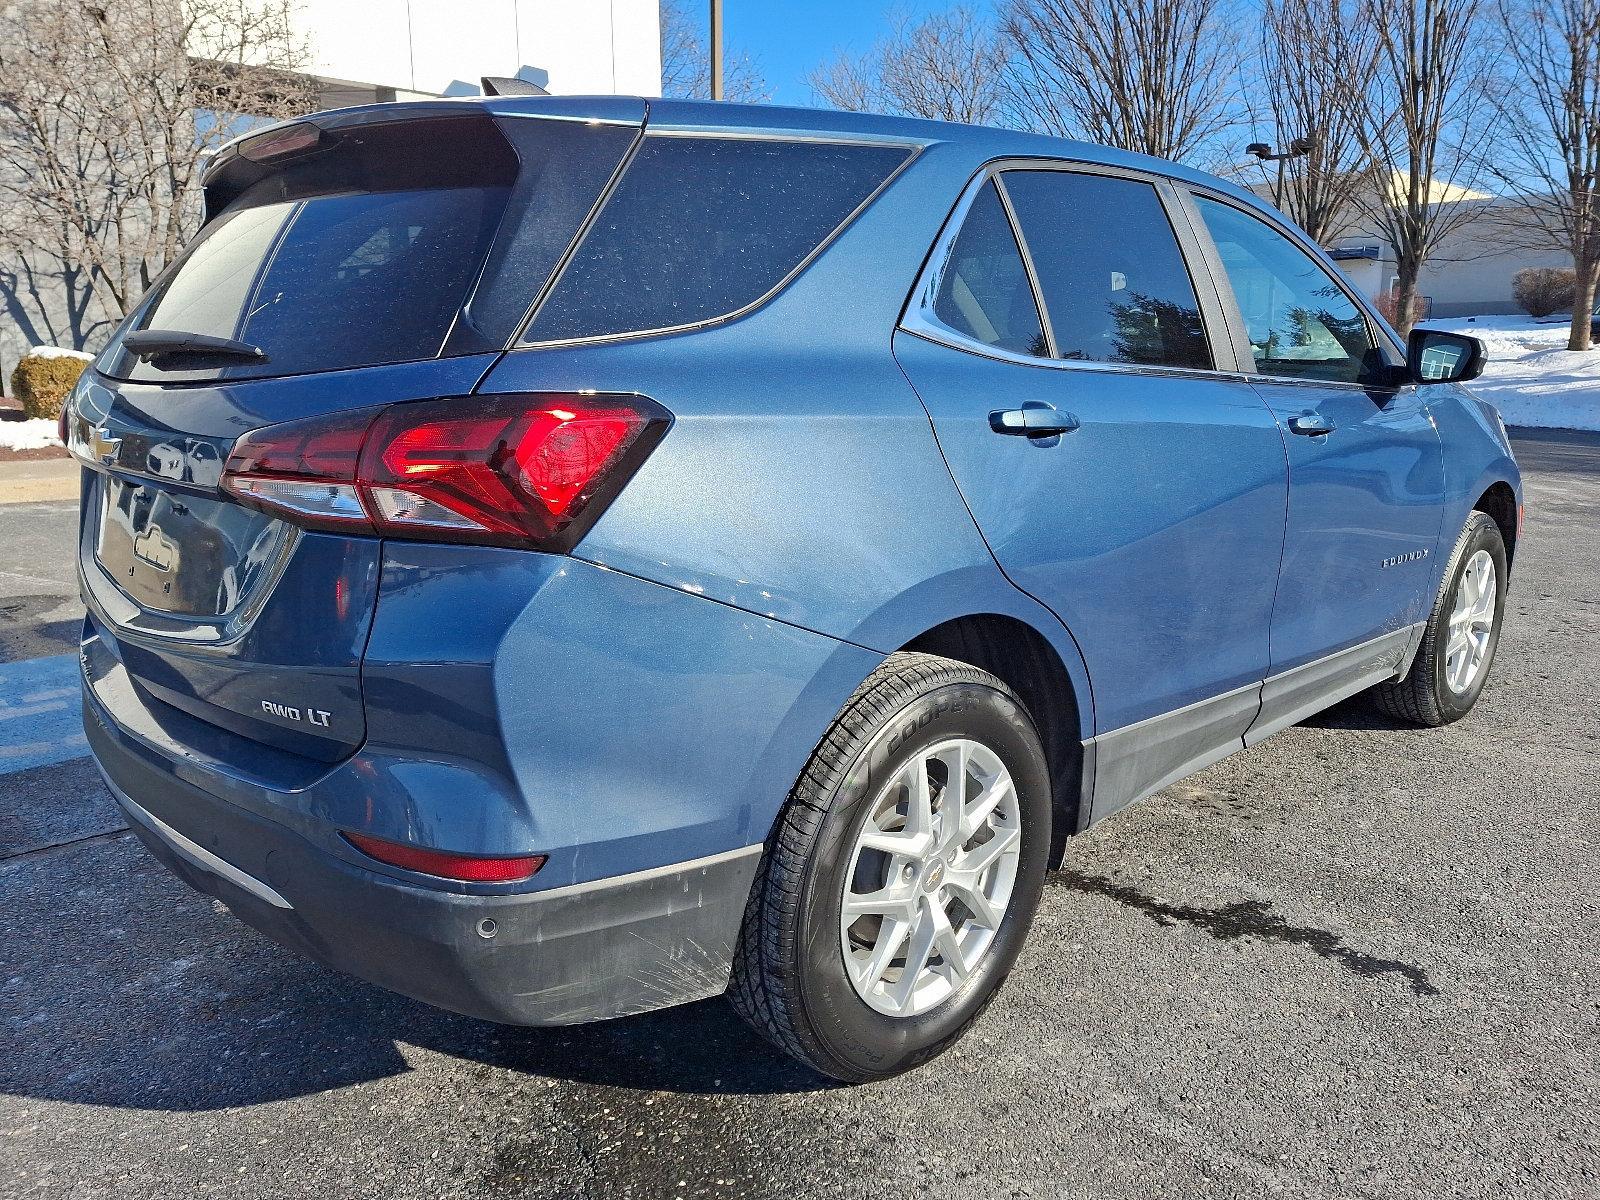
(585, 952)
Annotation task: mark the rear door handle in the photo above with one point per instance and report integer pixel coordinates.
(1310, 424)
(1035, 419)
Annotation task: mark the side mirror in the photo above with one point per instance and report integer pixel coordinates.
(1436, 357)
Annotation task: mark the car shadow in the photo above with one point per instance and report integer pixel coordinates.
(25, 634)
(1358, 712)
(156, 998)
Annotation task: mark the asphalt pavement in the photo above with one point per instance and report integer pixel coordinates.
(1356, 961)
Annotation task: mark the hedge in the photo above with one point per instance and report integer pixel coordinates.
(41, 382)
(1541, 291)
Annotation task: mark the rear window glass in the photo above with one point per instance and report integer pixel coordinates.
(334, 281)
(365, 252)
(702, 227)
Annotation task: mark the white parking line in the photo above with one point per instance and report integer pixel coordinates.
(40, 720)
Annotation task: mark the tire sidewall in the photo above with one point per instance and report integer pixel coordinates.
(1482, 535)
(851, 1031)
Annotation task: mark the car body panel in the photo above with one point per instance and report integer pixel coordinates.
(1169, 587)
(533, 718)
(269, 642)
(1365, 504)
(1478, 456)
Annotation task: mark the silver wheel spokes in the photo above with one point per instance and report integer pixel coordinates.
(930, 877)
(1471, 623)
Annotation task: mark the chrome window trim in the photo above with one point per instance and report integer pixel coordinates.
(957, 341)
(756, 133)
(918, 316)
(518, 341)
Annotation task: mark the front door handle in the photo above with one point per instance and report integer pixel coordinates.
(1310, 424)
(1035, 419)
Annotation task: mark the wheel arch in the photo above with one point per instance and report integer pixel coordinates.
(1024, 659)
(1500, 502)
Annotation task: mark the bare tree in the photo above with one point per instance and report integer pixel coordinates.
(686, 62)
(950, 66)
(107, 111)
(1313, 81)
(1156, 76)
(1426, 134)
(1550, 136)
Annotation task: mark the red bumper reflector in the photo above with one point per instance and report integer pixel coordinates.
(465, 867)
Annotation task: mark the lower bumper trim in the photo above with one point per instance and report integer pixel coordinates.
(195, 853)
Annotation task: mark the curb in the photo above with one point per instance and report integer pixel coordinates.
(33, 482)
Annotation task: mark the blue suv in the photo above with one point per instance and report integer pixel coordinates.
(559, 558)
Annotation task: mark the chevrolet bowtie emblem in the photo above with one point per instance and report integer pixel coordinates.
(102, 447)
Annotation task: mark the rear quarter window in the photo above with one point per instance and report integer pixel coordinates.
(702, 227)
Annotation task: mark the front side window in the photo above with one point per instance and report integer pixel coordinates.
(1112, 277)
(1300, 322)
(702, 227)
(984, 292)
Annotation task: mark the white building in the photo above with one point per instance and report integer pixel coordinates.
(374, 50)
(1469, 274)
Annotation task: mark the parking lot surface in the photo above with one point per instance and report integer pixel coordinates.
(1356, 961)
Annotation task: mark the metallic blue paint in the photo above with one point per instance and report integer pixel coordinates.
(529, 702)
(1168, 584)
(1370, 490)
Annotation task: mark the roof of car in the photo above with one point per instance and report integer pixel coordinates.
(775, 118)
(985, 142)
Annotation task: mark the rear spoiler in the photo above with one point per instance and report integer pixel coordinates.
(248, 159)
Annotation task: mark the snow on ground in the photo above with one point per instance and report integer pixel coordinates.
(58, 352)
(28, 435)
(1531, 377)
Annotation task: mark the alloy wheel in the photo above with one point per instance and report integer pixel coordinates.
(931, 874)
(1471, 623)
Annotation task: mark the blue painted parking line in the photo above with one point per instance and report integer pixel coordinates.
(40, 719)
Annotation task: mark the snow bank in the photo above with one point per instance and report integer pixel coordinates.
(28, 435)
(1531, 377)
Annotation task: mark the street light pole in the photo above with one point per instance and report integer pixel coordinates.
(716, 49)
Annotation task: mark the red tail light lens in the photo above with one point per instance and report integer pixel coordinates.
(466, 867)
(504, 470)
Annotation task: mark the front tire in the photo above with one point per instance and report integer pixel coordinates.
(892, 901)
(1452, 664)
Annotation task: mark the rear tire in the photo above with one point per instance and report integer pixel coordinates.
(1452, 664)
(952, 890)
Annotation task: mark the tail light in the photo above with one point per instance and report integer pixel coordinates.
(469, 868)
(520, 470)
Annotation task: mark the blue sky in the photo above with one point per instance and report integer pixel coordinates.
(787, 38)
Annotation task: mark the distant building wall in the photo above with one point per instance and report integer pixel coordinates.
(1468, 275)
(442, 47)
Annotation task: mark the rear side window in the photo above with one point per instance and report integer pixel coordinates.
(701, 227)
(984, 291)
(1113, 279)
